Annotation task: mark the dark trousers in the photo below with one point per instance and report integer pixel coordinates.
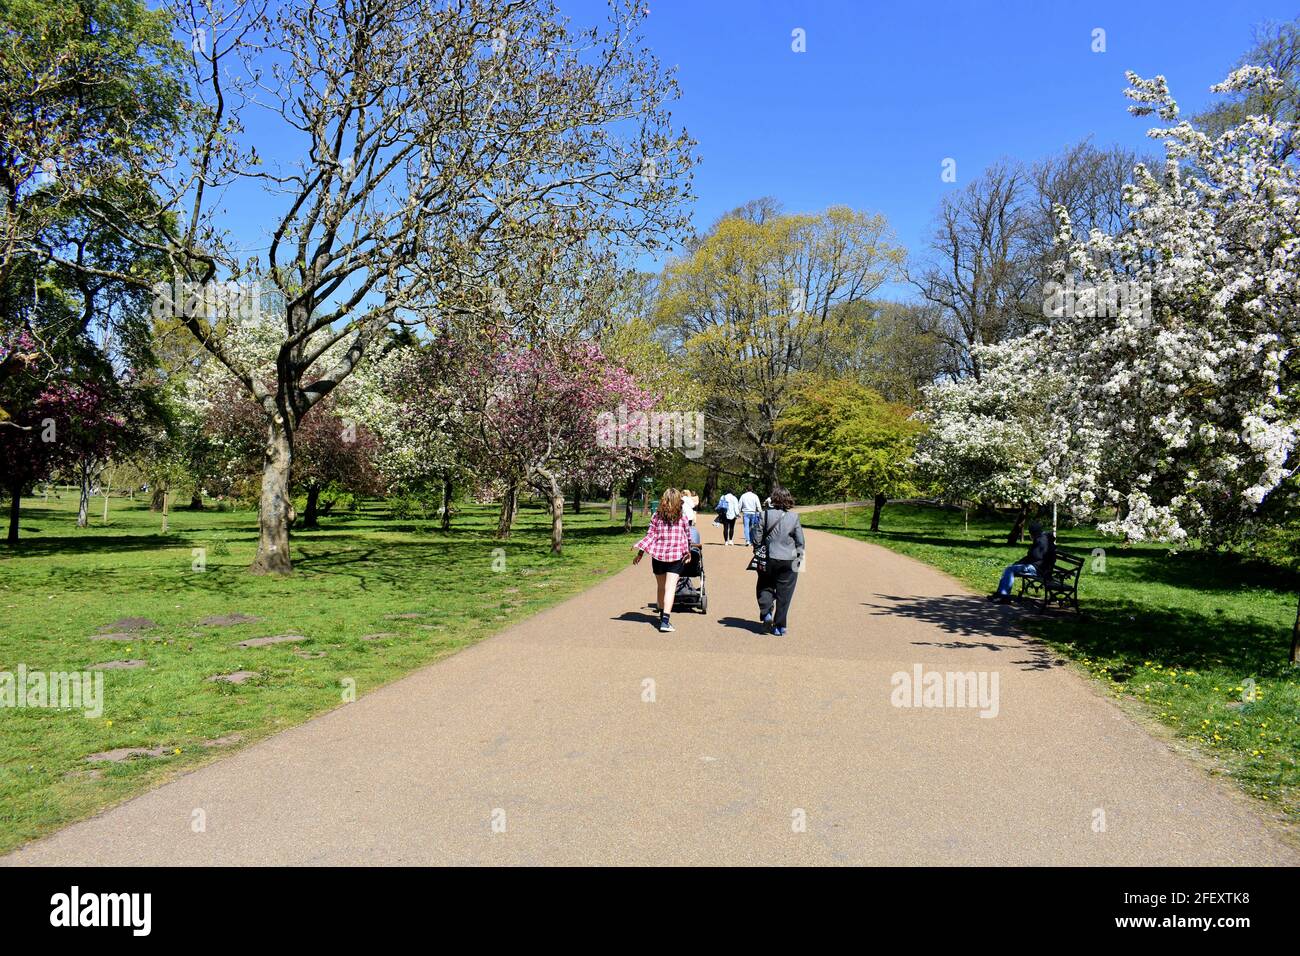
(776, 584)
(728, 527)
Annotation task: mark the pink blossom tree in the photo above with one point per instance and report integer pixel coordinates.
(536, 420)
(64, 424)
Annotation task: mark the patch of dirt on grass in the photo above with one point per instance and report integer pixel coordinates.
(238, 677)
(127, 753)
(276, 639)
(228, 620)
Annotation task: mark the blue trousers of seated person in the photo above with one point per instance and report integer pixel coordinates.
(1009, 576)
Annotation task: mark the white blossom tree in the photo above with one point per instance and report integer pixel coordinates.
(989, 439)
(409, 403)
(1191, 374)
(1172, 342)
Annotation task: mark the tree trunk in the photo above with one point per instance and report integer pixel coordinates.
(196, 500)
(156, 501)
(613, 502)
(275, 508)
(1018, 530)
(83, 501)
(557, 515)
(627, 508)
(1295, 637)
(577, 499)
(875, 511)
(312, 510)
(108, 490)
(165, 496)
(506, 520)
(709, 493)
(15, 506)
(447, 492)
(767, 472)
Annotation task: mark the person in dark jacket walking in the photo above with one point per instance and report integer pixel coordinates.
(1038, 563)
(778, 527)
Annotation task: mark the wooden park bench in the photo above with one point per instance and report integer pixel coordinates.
(1060, 588)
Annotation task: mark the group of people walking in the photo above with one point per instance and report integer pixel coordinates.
(771, 529)
(747, 508)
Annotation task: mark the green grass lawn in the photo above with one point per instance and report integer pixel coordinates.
(1178, 634)
(63, 584)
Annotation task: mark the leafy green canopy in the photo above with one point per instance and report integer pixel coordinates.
(841, 439)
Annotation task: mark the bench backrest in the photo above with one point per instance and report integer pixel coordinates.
(1067, 566)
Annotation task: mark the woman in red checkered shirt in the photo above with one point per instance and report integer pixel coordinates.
(668, 542)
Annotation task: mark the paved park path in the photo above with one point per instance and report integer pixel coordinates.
(544, 728)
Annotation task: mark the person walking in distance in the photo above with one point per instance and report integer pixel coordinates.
(728, 510)
(750, 509)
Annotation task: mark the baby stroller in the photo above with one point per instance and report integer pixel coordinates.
(689, 594)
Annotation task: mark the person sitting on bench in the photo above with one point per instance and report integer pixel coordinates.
(1037, 563)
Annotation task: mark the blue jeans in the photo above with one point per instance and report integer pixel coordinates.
(1009, 576)
(751, 526)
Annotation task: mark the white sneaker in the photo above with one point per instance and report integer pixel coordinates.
(666, 627)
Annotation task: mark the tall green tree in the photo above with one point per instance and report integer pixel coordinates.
(896, 348)
(87, 94)
(88, 91)
(842, 440)
(757, 307)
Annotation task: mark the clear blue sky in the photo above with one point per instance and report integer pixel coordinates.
(886, 91)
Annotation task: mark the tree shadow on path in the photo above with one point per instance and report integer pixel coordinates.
(991, 626)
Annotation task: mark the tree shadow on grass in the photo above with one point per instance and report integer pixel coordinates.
(1173, 637)
(86, 544)
(880, 537)
(584, 532)
(1130, 633)
(355, 557)
(1199, 571)
(396, 563)
(992, 626)
(464, 558)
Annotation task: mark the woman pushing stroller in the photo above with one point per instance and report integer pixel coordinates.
(668, 542)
